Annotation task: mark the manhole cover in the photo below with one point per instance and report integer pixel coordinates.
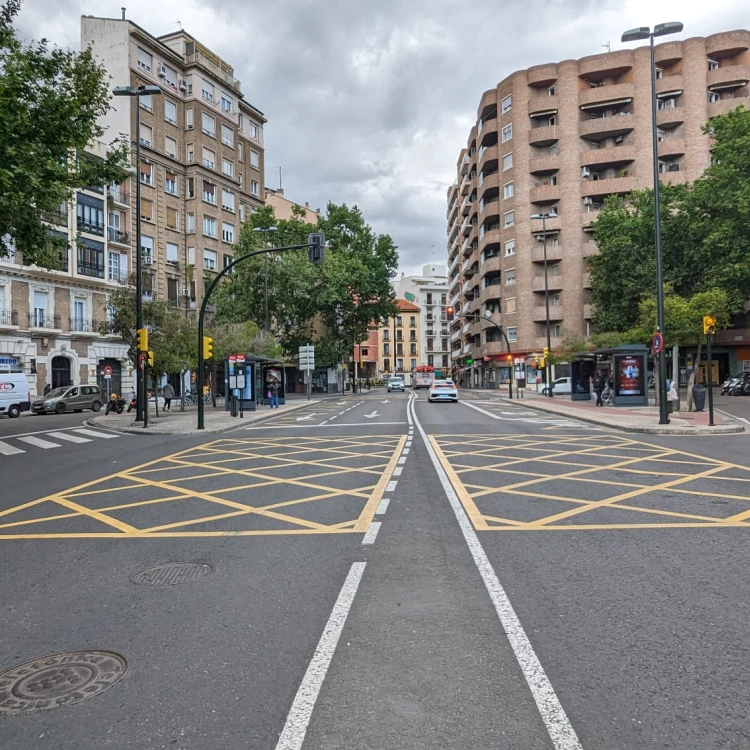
(59, 680)
(171, 574)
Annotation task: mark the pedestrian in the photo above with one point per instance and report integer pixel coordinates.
(47, 389)
(168, 393)
(599, 384)
(273, 394)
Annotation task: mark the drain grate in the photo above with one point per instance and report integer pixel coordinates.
(170, 574)
(59, 680)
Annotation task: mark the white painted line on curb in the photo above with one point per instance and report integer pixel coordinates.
(372, 532)
(397, 471)
(558, 725)
(391, 486)
(293, 735)
(382, 506)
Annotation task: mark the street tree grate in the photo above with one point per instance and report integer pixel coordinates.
(59, 680)
(171, 574)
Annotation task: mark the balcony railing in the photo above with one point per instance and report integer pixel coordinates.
(59, 217)
(117, 276)
(91, 269)
(8, 317)
(117, 235)
(90, 227)
(219, 71)
(84, 325)
(118, 195)
(40, 319)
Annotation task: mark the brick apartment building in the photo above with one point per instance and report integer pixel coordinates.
(400, 342)
(558, 138)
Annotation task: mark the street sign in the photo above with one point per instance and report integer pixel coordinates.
(142, 360)
(107, 370)
(657, 342)
(307, 357)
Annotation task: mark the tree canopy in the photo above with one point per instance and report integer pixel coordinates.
(52, 102)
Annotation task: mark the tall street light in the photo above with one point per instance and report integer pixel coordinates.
(265, 231)
(644, 32)
(547, 365)
(137, 92)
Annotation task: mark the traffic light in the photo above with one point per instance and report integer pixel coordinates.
(546, 353)
(143, 339)
(450, 312)
(510, 360)
(150, 359)
(709, 324)
(208, 347)
(536, 361)
(316, 247)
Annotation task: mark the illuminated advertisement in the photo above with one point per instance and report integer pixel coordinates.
(629, 376)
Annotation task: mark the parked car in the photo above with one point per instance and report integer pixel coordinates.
(70, 398)
(443, 390)
(395, 384)
(560, 385)
(14, 394)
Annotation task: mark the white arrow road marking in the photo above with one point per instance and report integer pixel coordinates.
(387, 401)
(309, 416)
(370, 416)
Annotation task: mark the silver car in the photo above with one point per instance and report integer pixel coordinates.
(395, 384)
(69, 398)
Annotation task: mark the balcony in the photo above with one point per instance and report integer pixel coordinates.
(489, 207)
(486, 154)
(539, 313)
(489, 181)
(8, 319)
(607, 127)
(610, 65)
(589, 216)
(554, 253)
(92, 270)
(727, 105)
(614, 185)
(542, 75)
(216, 66)
(118, 236)
(492, 264)
(553, 224)
(40, 319)
(464, 164)
(589, 249)
(541, 105)
(603, 96)
(610, 156)
(90, 227)
(588, 312)
(543, 136)
(545, 193)
(670, 85)
(59, 217)
(554, 282)
(672, 147)
(670, 116)
(494, 348)
(730, 76)
(489, 237)
(455, 335)
(542, 164)
(470, 270)
(116, 276)
(727, 43)
(84, 326)
(119, 196)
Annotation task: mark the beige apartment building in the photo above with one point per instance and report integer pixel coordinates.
(558, 138)
(400, 342)
(283, 207)
(202, 169)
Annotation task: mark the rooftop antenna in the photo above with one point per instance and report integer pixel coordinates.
(607, 46)
(280, 170)
(179, 24)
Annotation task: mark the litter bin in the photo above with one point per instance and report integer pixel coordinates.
(699, 396)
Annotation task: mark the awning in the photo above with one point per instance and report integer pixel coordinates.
(723, 86)
(543, 113)
(668, 94)
(609, 103)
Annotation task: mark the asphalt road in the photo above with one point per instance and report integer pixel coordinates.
(380, 576)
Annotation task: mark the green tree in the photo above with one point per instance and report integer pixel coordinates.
(52, 102)
(242, 338)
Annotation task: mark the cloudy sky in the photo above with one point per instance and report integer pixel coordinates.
(370, 101)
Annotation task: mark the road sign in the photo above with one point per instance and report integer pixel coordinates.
(240, 358)
(657, 342)
(307, 357)
(141, 360)
(107, 370)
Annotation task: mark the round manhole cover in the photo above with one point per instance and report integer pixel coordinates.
(171, 574)
(59, 680)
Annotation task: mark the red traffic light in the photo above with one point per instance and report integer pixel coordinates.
(450, 312)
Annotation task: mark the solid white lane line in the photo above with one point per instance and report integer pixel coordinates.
(382, 506)
(39, 443)
(107, 435)
(372, 532)
(391, 486)
(293, 735)
(558, 725)
(9, 450)
(397, 471)
(70, 438)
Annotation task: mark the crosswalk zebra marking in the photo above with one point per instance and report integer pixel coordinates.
(107, 435)
(69, 437)
(39, 443)
(9, 450)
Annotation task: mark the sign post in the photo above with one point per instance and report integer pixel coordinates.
(307, 363)
(709, 327)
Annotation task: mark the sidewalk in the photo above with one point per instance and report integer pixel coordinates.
(644, 419)
(176, 422)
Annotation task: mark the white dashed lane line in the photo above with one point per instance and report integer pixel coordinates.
(372, 533)
(382, 506)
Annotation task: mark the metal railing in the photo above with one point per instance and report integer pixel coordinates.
(91, 269)
(119, 195)
(90, 226)
(117, 235)
(83, 325)
(40, 319)
(9, 317)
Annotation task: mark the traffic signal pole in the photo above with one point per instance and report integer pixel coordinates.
(316, 247)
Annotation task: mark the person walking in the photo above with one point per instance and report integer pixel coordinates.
(273, 394)
(168, 393)
(47, 389)
(599, 384)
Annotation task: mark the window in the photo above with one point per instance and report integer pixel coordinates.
(146, 102)
(147, 246)
(510, 305)
(90, 214)
(190, 223)
(713, 96)
(254, 131)
(556, 331)
(172, 290)
(363, 352)
(207, 91)
(209, 226)
(170, 75)
(172, 252)
(399, 320)
(239, 178)
(507, 161)
(254, 159)
(40, 309)
(191, 256)
(512, 334)
(209, 192)
(659, 72)
(508, 190)
(506, 104)
(713, 64)
(209, 158)
(555, 240)
(507, 132)
(209, 259)
(190, 187)
(412, 320)
(386, 364)
(240, 121)
(189, 153)
(227, 135)
(227, 259)
(173, 218)
(510, 247)
(91, 258)
(208, 125)
(147, 209)
(554, 270)
(145, 60)
(555, 301)
(189, 119)
(227, 200)
(147, 174)
(254, 188)
(227, 232)
(551, 91)
(386, 349)
(146, 135)
(117, 267)
(170, 183)
(227, 167)
(226, 104)
(510, 276)
(170, 146)
(242, 212)
(239, 150)
(509, 219)
(170, 112)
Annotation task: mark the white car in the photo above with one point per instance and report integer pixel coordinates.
(560, 385)
(443, 390)
(395, 384)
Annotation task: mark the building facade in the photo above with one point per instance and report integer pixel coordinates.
(202, 158)
(400, 342)
(51, 321)
(283, 207)
(430, 292)
(557, 139)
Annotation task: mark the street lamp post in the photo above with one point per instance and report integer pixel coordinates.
(137, 92)
(644, 32)
(547, 364)
(265, 231)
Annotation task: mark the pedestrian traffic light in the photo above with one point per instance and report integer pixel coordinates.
(143, 339)
(450, 312)
(316, 247)
(208, 347)
(150, 359)
(709, 324)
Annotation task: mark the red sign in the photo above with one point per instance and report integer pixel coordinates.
(142, 360)
(657, 343)
(240, 357)
(232, 357)
(629, 378)
(486, 357)
(107, 370)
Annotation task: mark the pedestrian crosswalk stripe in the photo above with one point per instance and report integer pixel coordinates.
(107, 435)
(39, 443)
(9, 450)
(70, 438)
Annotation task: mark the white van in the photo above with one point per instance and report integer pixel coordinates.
(14, 394)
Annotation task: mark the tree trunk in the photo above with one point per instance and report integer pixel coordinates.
(691, 379)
